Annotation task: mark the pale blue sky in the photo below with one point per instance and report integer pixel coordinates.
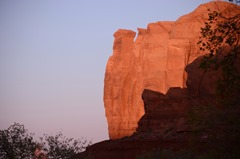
(53, 55)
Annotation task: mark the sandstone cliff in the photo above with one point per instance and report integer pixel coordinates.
(165, 124)
(151, 85)
(156, 60)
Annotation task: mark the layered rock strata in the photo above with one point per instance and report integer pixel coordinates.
(155, 60)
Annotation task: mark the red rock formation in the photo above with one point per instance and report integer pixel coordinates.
(164, 125)
(156, 61)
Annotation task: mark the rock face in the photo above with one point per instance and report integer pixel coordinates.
(167, 114)
(165, 122)
(156, 60)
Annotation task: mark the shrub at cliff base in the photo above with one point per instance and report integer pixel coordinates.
(17, 143)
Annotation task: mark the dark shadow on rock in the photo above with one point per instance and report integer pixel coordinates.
(164, 124)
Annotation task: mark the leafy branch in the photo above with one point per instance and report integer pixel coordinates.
(220, 42)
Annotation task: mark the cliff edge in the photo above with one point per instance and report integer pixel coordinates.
(156, 60)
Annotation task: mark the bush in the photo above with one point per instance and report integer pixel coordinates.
(17, 143)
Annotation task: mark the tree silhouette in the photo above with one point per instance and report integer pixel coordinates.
(220, 39)
(61, 147)
(220, 42)
(17, 143)
(234, 1)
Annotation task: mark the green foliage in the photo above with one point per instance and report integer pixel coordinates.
(17, 143)
(220, 122)
(219, 32)
(220, 41)
(61, 147)
(234, 1)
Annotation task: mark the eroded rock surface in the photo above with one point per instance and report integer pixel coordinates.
(156, 60)
(165, 122)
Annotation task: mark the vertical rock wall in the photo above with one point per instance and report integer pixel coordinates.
(156, 60)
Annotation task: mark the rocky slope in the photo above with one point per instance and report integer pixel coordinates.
(156, 60)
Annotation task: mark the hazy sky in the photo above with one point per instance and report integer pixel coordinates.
(53, 55)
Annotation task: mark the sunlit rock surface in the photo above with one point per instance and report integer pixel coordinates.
(148, 94)
(165, 124)
(156, 60)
